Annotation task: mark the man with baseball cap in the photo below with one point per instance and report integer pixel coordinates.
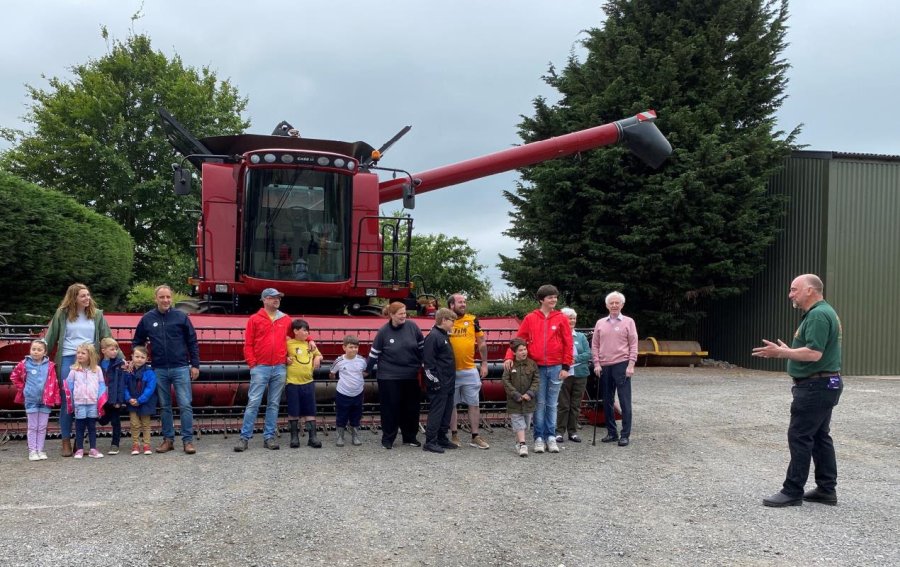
(265, 349)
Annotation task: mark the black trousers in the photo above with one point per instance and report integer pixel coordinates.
(809, 435)
(613, 379)
(399, 405)
(440, 406)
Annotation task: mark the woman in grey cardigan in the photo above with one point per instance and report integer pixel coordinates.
(77, 320)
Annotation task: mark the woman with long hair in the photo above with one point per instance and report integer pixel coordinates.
(77, 320)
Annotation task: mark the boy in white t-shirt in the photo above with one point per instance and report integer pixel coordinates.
(351, 371)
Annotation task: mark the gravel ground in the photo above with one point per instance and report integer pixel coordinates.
(708, 444)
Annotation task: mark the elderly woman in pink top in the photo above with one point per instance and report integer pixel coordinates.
(614, 350)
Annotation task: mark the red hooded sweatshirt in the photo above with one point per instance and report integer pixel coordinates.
(549, 339)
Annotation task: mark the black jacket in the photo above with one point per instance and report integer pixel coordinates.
(396, 352)
(438, 358)
(173, 341)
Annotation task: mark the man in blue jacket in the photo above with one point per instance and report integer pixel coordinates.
(176, 359)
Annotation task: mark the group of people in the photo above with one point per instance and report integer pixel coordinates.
(91, 382)
(546, 358)
(544, 376)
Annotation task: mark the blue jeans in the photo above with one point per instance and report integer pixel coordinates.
(264, 376)
(179, 377)
(65, 418)
(547, 399)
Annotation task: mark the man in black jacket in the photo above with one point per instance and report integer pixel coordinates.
(176, 361)
(440, 374)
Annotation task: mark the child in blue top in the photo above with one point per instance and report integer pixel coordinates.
(38, 390)
(115, 390)
(140, 395)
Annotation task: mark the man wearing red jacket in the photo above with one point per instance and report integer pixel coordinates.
(547, 333)
(265, 349)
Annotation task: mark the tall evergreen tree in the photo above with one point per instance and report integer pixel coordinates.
(695, 229)
(97, 138)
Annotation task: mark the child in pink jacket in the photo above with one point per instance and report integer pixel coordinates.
(38, 390)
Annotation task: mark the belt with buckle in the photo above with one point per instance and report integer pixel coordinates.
(814, 376)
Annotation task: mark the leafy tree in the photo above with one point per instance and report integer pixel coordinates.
(440, 264)
(448, 265)
(97, 137)
(52, 242)
(694, 230)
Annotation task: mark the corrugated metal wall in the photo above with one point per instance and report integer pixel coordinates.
(735, 326)
(863, 263)
(841, 223)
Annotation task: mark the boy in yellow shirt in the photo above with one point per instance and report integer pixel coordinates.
(302, 359)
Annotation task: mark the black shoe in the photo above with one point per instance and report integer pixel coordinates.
(241, 446)
(780, 500)
(609, 439)
(433, 448)
(821, 496)
(446, 444)
(574, 438)
(387, 444)
(560, 439)
(623, 442)
(413, 443)
(271, 444)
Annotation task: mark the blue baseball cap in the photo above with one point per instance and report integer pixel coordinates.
(271, 292)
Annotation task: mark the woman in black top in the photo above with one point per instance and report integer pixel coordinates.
(396, 357)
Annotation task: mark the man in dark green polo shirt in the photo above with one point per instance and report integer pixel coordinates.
(814, 363)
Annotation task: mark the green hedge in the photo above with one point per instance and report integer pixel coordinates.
(50, 242)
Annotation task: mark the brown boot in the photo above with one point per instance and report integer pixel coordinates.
(66, 447)
(166, 446)
(190, 450)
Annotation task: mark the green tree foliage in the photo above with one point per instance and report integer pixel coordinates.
(448, 265)
(52, 242)
(697, 228)
(97, 138)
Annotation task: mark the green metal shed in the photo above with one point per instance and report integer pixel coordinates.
(841, 222)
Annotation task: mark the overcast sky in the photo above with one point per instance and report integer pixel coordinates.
(461, 73)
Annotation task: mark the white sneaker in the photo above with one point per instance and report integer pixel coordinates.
(33, 456)
(538, 445)
(551, 445)
(42, 455)
(523, 450)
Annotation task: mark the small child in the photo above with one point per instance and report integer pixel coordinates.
(85, 397)
(37, 389)
(348, 401)
(302, 358)
(521, 383)
(140, 395)
(114, 374)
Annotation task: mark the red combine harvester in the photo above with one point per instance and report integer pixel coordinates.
(302, 215)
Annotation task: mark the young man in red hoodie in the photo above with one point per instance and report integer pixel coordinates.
(547, 333)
